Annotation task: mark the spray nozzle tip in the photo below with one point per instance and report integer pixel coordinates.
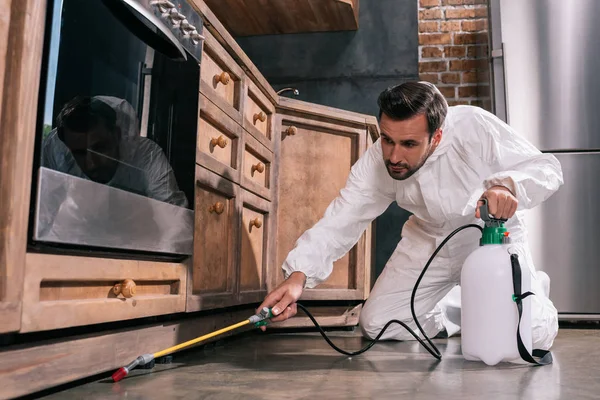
(119, 374)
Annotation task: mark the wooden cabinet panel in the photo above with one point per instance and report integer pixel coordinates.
(221, 76)
(21, 42)
(218, 141)
(66, 291)
(213, 276)
(212, 250)
(315, 158)
(251, 266)
(256, 170)
(4, 25)
(272, 17)
(254, 254)
(258, 114)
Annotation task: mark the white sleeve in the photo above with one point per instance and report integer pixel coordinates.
(368, 192)
(528, 173)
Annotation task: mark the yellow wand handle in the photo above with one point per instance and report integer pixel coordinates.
(200, 339)
(257, 320)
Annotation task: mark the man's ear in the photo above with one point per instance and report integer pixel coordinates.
(437, 137)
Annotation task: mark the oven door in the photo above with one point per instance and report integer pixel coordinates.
(116, 140)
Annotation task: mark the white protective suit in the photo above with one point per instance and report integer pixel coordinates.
(477, 151)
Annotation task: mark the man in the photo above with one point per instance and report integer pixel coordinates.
(94, 140)
(436, 163)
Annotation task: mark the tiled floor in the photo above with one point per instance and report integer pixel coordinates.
(302, 366)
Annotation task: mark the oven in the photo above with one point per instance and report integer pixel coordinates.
(116, 135)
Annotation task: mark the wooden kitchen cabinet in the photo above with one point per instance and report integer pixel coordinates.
(288, 160)
(232, 239)
(266, 168)
(216, 243)
(317, 149)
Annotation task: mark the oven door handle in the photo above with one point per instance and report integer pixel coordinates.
(131, 12)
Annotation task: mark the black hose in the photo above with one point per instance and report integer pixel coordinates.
(431, 348)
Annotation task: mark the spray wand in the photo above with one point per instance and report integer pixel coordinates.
(261, 318)
(258, 320)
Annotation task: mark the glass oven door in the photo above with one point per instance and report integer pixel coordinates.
(116, 141)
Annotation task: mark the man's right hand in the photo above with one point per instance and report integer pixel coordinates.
(282, 300)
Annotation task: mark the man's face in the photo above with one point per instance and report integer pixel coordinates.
(96, 151)
(406, 145)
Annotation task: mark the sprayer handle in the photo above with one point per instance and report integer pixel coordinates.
(484, 212)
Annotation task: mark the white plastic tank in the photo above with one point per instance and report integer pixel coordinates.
(489, 316)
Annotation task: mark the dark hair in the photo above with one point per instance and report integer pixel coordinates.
(81, 114)
(404, 101)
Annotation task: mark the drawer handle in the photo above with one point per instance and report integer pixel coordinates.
(218, 208)
(126, 288)
(291, 131)
(260, 167)
(260, 116)
(255, 222)
(220, 141)
(223, 78)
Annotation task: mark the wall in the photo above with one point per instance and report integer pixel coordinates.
(453, 49)
(348, 70)
(344, 69)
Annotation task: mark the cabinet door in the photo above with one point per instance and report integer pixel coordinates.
(254, 254)
(315, 157)
(20, 60)
(213, 277)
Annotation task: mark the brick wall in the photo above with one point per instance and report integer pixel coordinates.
(453, 49)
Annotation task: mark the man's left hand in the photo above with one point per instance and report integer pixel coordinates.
(502, 204)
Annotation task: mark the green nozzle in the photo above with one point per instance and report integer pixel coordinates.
(262, 317)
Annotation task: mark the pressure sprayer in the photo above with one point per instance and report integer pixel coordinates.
(495, 319)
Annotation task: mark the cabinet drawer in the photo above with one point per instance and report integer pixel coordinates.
(212, 283)
(258, 114)
(218, 141)
(221, 76)
(254, 248)
(256, 167)
(67, 291)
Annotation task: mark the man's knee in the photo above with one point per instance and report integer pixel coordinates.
(371, 322)
(368, 326)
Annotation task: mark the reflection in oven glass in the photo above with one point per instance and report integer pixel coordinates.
(97, 138)
(116, 145)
